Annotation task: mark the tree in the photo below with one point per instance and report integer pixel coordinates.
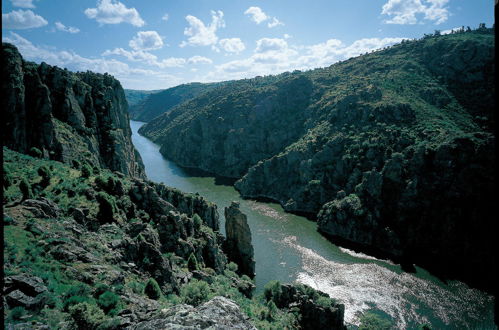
(152, 289)
(192, 263)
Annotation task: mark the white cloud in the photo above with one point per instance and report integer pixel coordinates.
(22, 19)
(134, 78)
(258, 16)
(270, 44)
(23, 3)
(165, 17)
(273, 55)
(114, 12)
(407, 11)
(146, 40)
(199, 60)
(61, 27)
(275, 22)
(201, 35)
(135, 56)
(232, 45)
(172, 62)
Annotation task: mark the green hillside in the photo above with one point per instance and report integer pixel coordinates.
(391, 150)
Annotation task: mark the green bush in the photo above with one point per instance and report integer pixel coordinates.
(75, 164)
(100, 289)
(152, 289)
(16, 313)
(272, 291)
(25, 189)
(192, 263)
(35, 152)
(197, 221)
(108, 301)
(195, 292)
(86, 171)
(44, 172)
(86, 316)
(371, 321)
(232, 266)
(106, 208)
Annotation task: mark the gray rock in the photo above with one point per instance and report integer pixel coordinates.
(219, 313)
(238, 244)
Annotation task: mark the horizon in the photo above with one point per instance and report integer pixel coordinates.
(156, 46)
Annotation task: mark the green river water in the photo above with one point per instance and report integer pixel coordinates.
(288, 248)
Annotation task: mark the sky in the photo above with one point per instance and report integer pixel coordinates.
(157, 44)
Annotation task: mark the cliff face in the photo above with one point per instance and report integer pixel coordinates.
(67, 116)
(391, 150)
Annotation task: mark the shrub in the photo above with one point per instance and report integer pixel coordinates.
(100, 289)
(106, 207)
(371, 321)
(86, 316)
(75, 164)
(152, 289)
(195, 292)
(192, 263)
(86, 171)
(44, 172)
(35, 152)
(272, 291)
(108, 301)
(17, 312)
(25, 189)
(232, 266)
(197, 221)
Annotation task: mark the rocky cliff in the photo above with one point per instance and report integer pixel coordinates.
(390, 151)
(238, 242)
(66, 116)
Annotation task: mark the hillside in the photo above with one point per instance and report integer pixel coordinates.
(97, 250)
(134, 96)
(156, 104)
(70, 117)
(391, 151)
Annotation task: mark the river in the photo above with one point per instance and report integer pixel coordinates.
(288, 248)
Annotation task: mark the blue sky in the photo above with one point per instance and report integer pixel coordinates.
(156, 44)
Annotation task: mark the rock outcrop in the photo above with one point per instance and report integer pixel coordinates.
(238, 242)
(67, 116)
(218, 313)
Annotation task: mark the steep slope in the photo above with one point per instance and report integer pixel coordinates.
(155, 104)
(66, 116)
(392, 150)
(134, 96)
(102, 251)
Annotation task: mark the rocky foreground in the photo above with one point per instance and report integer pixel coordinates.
(391, 152)
(99, 250)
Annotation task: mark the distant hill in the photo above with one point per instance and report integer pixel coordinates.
(154, 104)
(391, 151)
(134, 96)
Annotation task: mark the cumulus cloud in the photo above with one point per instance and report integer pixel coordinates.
(270, 44)
(135, 56)
(22, 19)
(61, 27)
(232, 45)
(135, 78)
(199, 60)
(274, 55)
(23, 3)
(258, 16)
(407, 11)
(201, 35)
(114, 12)
(146, 40)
